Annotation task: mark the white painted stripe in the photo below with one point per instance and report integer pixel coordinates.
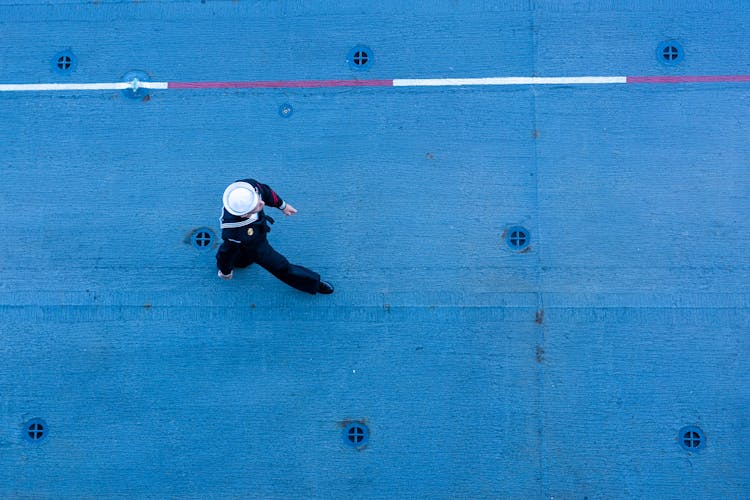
(153, 85)
(532, 80)
(232, 225)
(64, 86)
(31, 87)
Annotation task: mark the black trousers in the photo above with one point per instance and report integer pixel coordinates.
(231, 255)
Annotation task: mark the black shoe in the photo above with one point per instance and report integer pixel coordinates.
(325, 288)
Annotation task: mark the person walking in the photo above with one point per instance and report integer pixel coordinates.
(244, 229)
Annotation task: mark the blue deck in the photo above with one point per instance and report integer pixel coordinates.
(564, 371)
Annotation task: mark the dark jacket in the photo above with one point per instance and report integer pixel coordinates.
(240, 234)
(243, 231)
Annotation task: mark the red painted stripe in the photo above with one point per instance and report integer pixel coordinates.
(689, 79)
(281, 84)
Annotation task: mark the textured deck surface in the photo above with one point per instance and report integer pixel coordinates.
(564, 371)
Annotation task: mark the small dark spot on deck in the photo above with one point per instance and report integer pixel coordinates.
(535, 134)
(147, 306)
(252, 306)
(539, 354)
(526, 250)
(387, 307)
(430, 156)
(146, 98)
(539, 317)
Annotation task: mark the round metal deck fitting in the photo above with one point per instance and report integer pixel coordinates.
(64, 63)
(691, 438)
(356, 434)
(203, 239)
(670, 52)
(517, 238)
(360, 57)
(35, 430)
(286, 110)
(135, 91)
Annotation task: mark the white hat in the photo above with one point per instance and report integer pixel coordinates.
(240, 198)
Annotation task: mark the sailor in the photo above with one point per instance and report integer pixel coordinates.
(244, 226)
